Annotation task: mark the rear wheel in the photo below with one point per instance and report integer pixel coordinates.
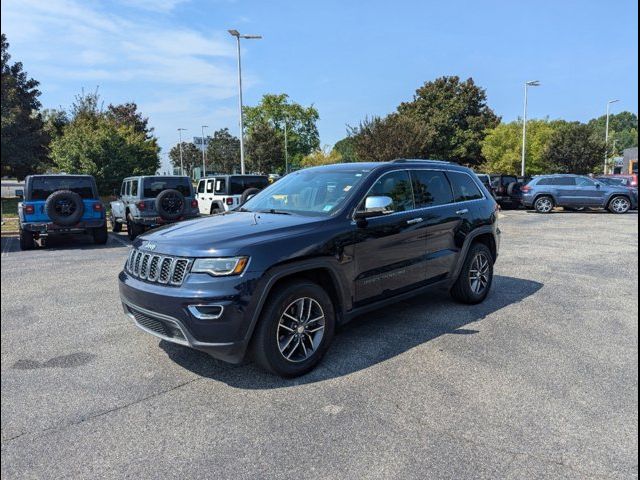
(26, 240)
(619, 205)
(476, 277)
(100, 235)
(116, 226)
(133, 229)
(295, 329)
(544, 204)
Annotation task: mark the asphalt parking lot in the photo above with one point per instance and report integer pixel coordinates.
(539, 381)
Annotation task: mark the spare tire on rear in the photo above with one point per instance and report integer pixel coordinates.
(64, 207)
(249, 192)
(513, 188)
(170, 204)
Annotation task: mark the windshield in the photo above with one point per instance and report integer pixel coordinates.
(307, 192)
(42, 187)
(154, 185)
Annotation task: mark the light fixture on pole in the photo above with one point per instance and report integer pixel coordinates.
(606, 136)
(204, 144)
(238, 36)
(180, 130)
(532, 83)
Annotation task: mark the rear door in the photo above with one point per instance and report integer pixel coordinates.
(565, 191)
(390, 249)
(436, 207)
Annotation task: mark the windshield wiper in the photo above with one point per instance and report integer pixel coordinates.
(275, 212)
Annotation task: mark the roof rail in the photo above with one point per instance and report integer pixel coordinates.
(404, 160)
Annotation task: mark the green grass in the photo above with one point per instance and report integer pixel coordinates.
(10, 207)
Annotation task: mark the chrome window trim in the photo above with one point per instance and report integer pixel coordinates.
(408, 170)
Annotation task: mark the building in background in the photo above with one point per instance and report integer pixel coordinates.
(629, 164)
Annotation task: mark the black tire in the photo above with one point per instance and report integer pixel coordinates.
(247, 193)
(115, 226)
(265, 345)
(619, 205)
(170, 204)
(26, 240)
(464, 290)
(133, 229)
(100, 235)
(64, 207)
(215, 209)
(512, 188)
(544, 204)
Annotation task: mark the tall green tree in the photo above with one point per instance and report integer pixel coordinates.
(454, 118)
(273, 113)
(223, 152)
(23, 141)
(502, 147)
(623, 131)
(346, 149)
(128, 114)
(93, 143)
(573, 149)
(322, 156)
(191, 157)
(265, 151)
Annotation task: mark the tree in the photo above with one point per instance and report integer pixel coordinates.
(273, 112)
(321, 157)
(383, 139)
(93, 143)
(623, 131)
(574, 149)
(346, 149)
(128, 114)
(223, 152)
(191, 157)
(265, 151)
(23, 141)
(502, 147)
(454, 118)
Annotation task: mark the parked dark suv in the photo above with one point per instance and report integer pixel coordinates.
(310, 252)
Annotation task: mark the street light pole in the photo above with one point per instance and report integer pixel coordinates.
(180, 130)
(286, 149)
(533, 83)
(606, 136)
(235, 33)
(204, 167)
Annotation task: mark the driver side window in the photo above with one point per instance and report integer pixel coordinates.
(397, 186)
(585, 182)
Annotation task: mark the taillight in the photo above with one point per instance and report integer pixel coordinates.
(525, 189)
(141, 205)
(97, 207)
(229, 201)
(194, 203)
(28, 209)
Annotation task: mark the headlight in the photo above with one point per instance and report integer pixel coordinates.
(220, 266)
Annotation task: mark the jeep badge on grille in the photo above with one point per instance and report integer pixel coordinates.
(149, 246)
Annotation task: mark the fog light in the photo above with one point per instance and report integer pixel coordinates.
(206, 312)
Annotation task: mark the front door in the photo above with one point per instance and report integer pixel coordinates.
(589, 193)
(389, 249)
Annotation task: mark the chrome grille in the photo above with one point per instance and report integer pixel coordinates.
(158, 268)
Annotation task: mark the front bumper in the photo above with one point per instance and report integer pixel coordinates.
(49, 228)
(164, 311)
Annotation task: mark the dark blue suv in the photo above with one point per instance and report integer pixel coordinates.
(60, 204)
(576, 192)
(277, 275)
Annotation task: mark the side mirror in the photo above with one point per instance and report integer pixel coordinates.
(375, 207)
(598, 185)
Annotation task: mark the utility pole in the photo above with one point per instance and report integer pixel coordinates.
(606, 136)
(533, 83)
(204, 166)
(180, 130)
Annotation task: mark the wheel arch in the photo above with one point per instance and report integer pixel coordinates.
(616, 195)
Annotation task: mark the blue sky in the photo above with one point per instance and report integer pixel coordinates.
(351, 59)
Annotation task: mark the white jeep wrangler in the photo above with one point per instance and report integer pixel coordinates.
(221, 193)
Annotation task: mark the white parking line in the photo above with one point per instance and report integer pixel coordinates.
(119, 240)
(8, 246)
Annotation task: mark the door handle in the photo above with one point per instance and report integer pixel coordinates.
(463, 211)
(413, 221)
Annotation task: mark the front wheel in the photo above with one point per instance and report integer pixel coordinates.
(295, 329)
(619, 205)
(476, 277)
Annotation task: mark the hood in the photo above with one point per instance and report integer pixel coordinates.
(227, 234)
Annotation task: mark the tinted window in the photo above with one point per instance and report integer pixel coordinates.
(42, 187)
(556, 181)
(153, 186)
(220, 185)
(395, 185)
(134, 188)
(506, 181)
(123, 188)
(464, 188)
(201, 186)
(431, 188)
(585, 182)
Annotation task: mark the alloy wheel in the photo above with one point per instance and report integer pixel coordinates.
(300, 329)
(620, 205)
(544, 205)
(479, 273)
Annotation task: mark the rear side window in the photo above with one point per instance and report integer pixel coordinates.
(123, 188)
(431, 188)
(464, 188)
(153, 186)
(221, 186)
(42, 187)
(134, 188)
(397, 186)
(209, 186)
(201, 186)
